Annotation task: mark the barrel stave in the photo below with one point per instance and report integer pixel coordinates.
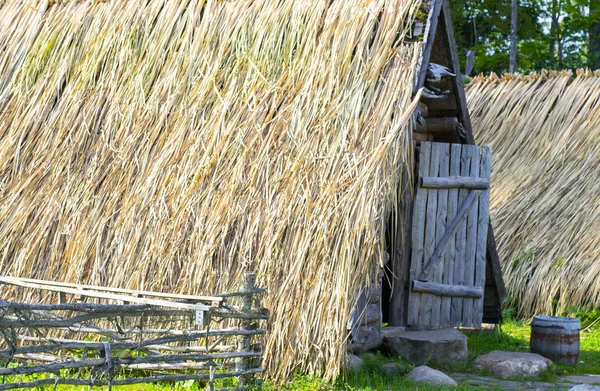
(556, 338)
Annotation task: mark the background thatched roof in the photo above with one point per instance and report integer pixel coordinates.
(174, 144)
(544, 130)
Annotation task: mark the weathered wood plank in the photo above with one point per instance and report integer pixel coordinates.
(448, 278)
(7, 353)
(437, 125)
(466, 208)
(180, 349)
(496, 282)
(50, 368)
(430, 231)
(485, 171)
(104, 295)
(471, 249)
(440, 228)
(461, 240)
(440, 289)
(454, 182)
(398, 310)
(428, 39)
(423, 109)
(442, 106)
(461, 100)
(418, 234)
(16, 280)
(243, 342)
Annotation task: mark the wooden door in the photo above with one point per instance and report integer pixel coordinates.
(450, 223)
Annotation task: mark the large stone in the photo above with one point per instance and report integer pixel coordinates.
(373, 315)
(512, 364)
(424, 374)
(584, 387)
(365, 338)
(355, 363)
(583, 379)
(440, 347)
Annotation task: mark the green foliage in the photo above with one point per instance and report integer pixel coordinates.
(588, 315)
(484, 26)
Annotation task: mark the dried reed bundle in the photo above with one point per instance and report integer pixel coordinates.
(545, 133)
(174, 144)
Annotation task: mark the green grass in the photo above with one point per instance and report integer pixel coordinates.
(369, 379)
(513, 336)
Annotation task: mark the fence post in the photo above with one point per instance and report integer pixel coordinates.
(243, 343)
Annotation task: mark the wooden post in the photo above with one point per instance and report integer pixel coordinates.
(437, 125)
(243, 343)
(400, 262)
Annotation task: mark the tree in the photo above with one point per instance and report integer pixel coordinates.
(552, 34)
(484, 26)
(513, 36)
(553, 38)
(594, 35)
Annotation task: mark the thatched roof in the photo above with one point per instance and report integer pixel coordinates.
(544, 130)
(173, 145)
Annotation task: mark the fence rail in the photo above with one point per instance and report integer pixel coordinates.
(154, 338)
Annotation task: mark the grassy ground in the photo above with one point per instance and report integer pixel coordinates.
(513, 336)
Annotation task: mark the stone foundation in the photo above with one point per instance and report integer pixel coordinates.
(366, 320)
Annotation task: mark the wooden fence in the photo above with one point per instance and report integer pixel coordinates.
(128, 337)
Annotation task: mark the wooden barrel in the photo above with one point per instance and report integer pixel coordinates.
(556, 338)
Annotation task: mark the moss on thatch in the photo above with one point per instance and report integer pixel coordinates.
(544, 130)
(173, 145)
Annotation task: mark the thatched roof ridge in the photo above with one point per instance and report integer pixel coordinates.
(544, 130)
(174, 144)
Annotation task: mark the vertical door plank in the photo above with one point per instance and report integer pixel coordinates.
(482, 228)
(467, 318)
(461, 241)
(448, 277)
(440, 229)
(418, 235)
(430, 231)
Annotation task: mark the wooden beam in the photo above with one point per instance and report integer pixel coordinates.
(422, 137)
(496, 269)
(453, 182)
(428, 38)
(446, 105)
(440, 289)
(104, 295)
(423, 109)
(460, 98)
(402, 242)
(83, 287)
(437, 125)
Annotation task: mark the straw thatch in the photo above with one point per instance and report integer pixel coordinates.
(544, 130)
(174, 144)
